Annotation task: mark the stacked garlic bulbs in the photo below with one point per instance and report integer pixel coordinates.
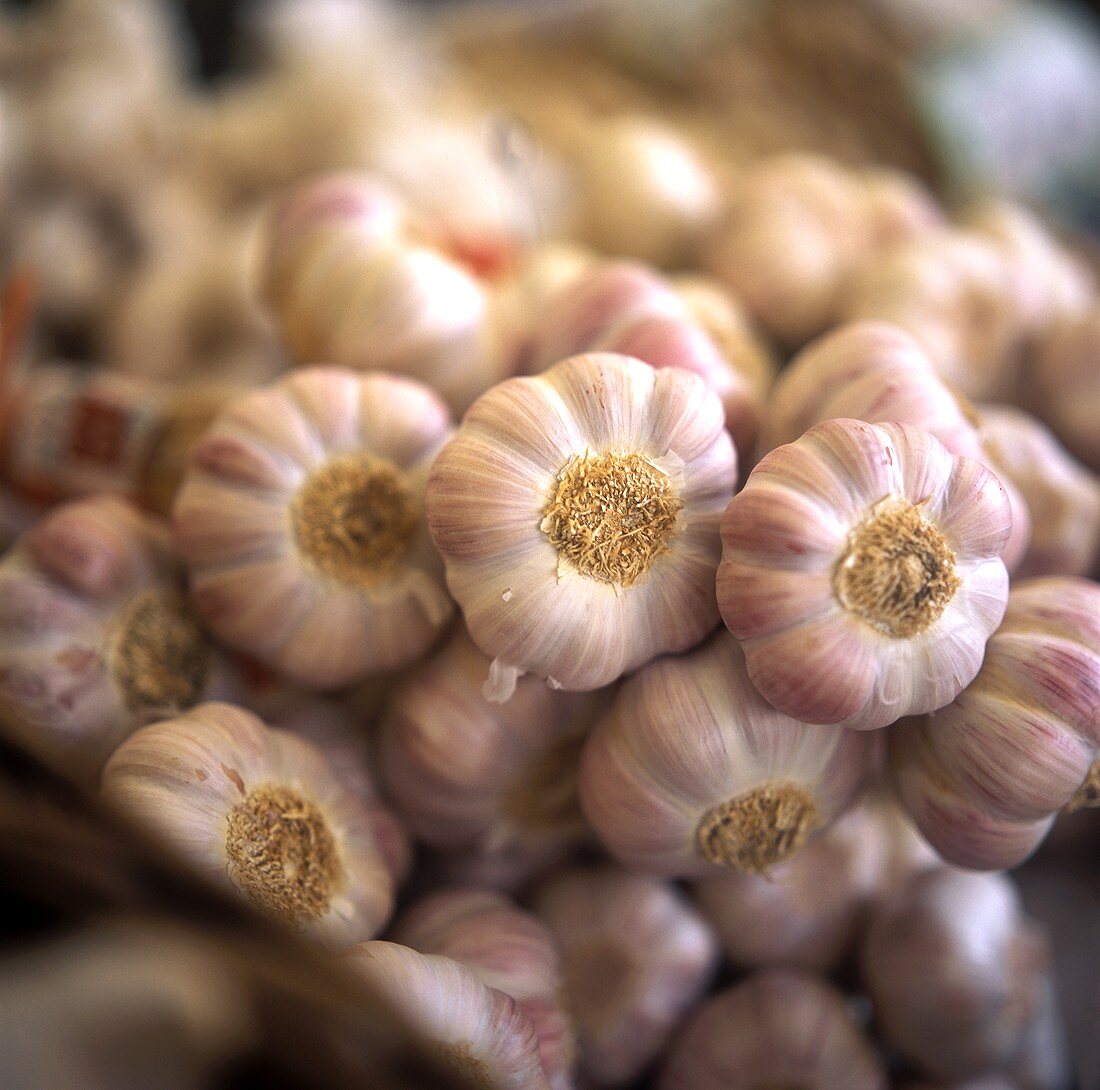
(300, 521)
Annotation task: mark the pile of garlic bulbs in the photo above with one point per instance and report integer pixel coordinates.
(631, 614)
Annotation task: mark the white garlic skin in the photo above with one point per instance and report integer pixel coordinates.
(1062, 495)
(690, 733)
(508, 949)
(636, 958)
(985, 777)
(776, 1028)
(472, 1029)
(956, 973)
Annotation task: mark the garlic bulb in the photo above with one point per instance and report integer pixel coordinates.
(507, 949)
(262, 811)
(955, 971)
(577, 511)
(692, 768)
(509, 869)
(464, 772)
(636, 957)
(775, 1029)
(862, 573)
(985, 776)
(1062, 496)
(300, 523)
(474, 1031)
(643, 191)
(95, 635)
(627, 309)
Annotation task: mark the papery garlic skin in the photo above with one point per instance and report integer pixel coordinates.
(862, 573)
(955, 971)
(508, 949)
(473, 1030)
(593, 441)
(300, 523)
(1062, 496)
(465, 772)
(261, 811)
(693, 769)
(777, 1028)
(96, 638)
(636, 957)
(985, 777)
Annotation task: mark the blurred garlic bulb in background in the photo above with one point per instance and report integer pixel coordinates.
(693, 768)
(95, 635)
(636, 958)
(464, 772)
(956, 972)
(985, 776)
(577, 513)
(1062, 496)
(262, 811)
(300, 523)
(776, 1028)
(862, 573)
(471, 1029)
(507, 949)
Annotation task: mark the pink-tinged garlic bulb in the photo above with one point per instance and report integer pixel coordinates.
(508, 869)
(577, 515)
(693, 768)
(862, 573)
(467, 773)
(472, 1030)
(898, 206)
(263, 812)
(507, 949)
(1062, 496)
(96, 638)
(957, 974)
(636, 958)
(1066, 384)
(643, 191)
(628, 309)
(300, 521)
(775, 1029)
(985, 777)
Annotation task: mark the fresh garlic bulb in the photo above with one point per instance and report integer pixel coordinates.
(898, 206)
(262, 811)
(627, 309)
(985, 776)
(862, 573)
(467, 773)
(472, 1030)
(1062, 496)
(508, 949)
(508, 869)
(775, 1029)
(95, 636)
(644, 192)
(636, 958)
(577, 515)
(300, 523)
(692, 768)
(955, 971)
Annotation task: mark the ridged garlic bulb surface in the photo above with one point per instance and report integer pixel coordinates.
(577, 514)
(300, 521)
(985, 777)
(776, 1029)
(261, 811)
(862, 573)
(693, 768)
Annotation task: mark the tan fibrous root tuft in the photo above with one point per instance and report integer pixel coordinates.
(611, 515)
(160, 656)
(461, 1059)
(354, 519)
(543, 797)
(282, 855)
(1088, 794)
(898, 573)
(754, 831)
